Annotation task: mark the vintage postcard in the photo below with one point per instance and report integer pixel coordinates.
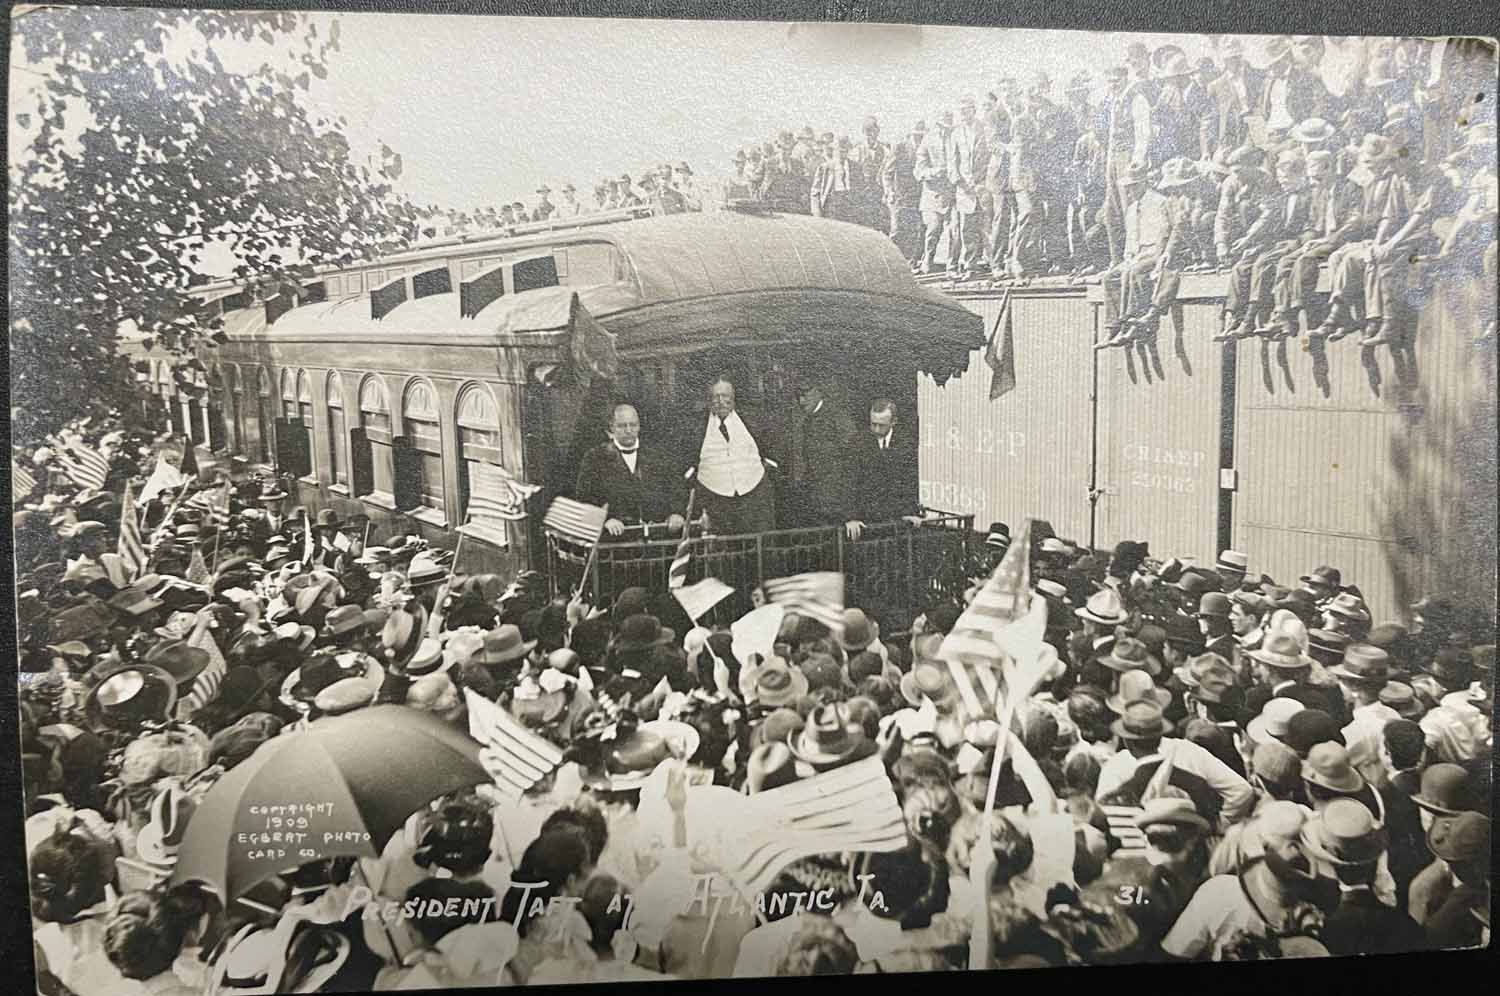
(794, 499)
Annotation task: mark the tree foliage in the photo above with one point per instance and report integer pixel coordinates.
(148, 151)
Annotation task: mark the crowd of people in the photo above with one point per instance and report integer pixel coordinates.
(664, 189)
(1218, 766)
(1241, 162)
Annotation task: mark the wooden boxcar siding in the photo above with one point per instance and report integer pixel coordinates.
(1159, 440)
(1342, 461)
(1026, 454)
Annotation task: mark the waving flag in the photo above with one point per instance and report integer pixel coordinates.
(206, 686)
(130, 548)
(83, 466)
(1000, 354)
(164, 478)
(213, 502)
(22, 483)
(677, 573)
(514, 756)
(576, 521)
(852, 808)
(974, 649)
(494, 494)
(819, 594)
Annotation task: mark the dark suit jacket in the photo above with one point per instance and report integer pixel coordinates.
(1306, 96)
(1363, 924)
(651, 494)
(821, 447)
(882, 482)
(1230, 111)
(1329, 700)
(1406, 852)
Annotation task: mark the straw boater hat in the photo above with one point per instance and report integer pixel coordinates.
(1135, 686)
(830, 740)
(305, 683)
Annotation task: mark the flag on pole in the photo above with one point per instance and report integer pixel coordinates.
(677, 573)
(514, 756)
(213, 502)
(495, 494)
(197, 571)
(576, 521)
(163, 478)
(22, 483)
(1000, 353)
(308, 551)
(819, 595)
(852, 808)
(189, 464)
(130, 548)
(973, 649)
(206, 686)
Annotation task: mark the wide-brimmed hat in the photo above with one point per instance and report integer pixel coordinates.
(1312, 131)
(775, 684)
(307, 681)
(1130, 654)
(1400, 696)
(1349, 606)
(424, 571)
(295, 632)
(1344, 834)
(503, 645)
(1209, 676)
(770, 766)
(1176, 64)
(1363, 664)
(128, 694)
(176, 657)
(1328, 766)
(1103, 607)
(159, 839)
(130, 601)
(1282, 650)
(1170, 811)
(1135, 686)
(858, 632)
(429, 659)
(1445, 790)
(778, 725)
(643, 632)
(1327, 577)
(830, 739)
(1178, 172)
(1142, 720)
(1274, 720)
(929, 680)
(343, 620)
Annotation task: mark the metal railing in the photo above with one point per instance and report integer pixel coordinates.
(893, 571)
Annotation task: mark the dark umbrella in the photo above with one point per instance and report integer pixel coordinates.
(366, 771)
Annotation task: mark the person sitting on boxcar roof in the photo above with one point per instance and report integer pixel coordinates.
(637, 483)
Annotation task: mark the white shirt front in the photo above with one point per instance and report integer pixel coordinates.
(1363, 738)
(729, 467)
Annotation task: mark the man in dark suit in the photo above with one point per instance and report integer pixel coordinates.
(882, 472)
(638, 484)
(822, 438)
(730, 457)
(1236, 93)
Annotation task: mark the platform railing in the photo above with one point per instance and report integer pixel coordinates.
(893, 571)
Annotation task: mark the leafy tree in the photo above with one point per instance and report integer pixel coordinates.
(147, 150)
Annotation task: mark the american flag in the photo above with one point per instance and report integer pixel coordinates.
(1122, 827)
(130, 548)
(22, 483)
(197, 571)
(83, 466)
(494, 494)
(852, 808)
(819, 595)
(577, 521)
(164, 478)
(514, 756)
(206, 686)
(677, 573)
(214, 502)
(975, 648)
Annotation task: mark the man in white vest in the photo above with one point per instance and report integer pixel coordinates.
(730, 468)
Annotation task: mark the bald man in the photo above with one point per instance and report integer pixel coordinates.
(638, 483)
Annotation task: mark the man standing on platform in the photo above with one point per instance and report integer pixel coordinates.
(638, 485)
(882, 473)
(729, 468)
(823, 436)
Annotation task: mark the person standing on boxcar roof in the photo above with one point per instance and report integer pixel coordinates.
(882, 472)
(729, 461)
(636, 482)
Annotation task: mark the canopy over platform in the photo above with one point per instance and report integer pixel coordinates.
(696, 281)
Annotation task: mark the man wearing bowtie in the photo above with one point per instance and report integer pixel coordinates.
(732, 459)
(638, 484)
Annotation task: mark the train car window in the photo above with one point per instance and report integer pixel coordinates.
(307, 465)
(422, 425)
(478, 437)
(375, 441)
(529, 274)
(338, 427)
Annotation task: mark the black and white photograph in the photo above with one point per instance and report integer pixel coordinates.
(514, 501)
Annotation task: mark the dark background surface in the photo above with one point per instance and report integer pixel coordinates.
(1455, 972)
